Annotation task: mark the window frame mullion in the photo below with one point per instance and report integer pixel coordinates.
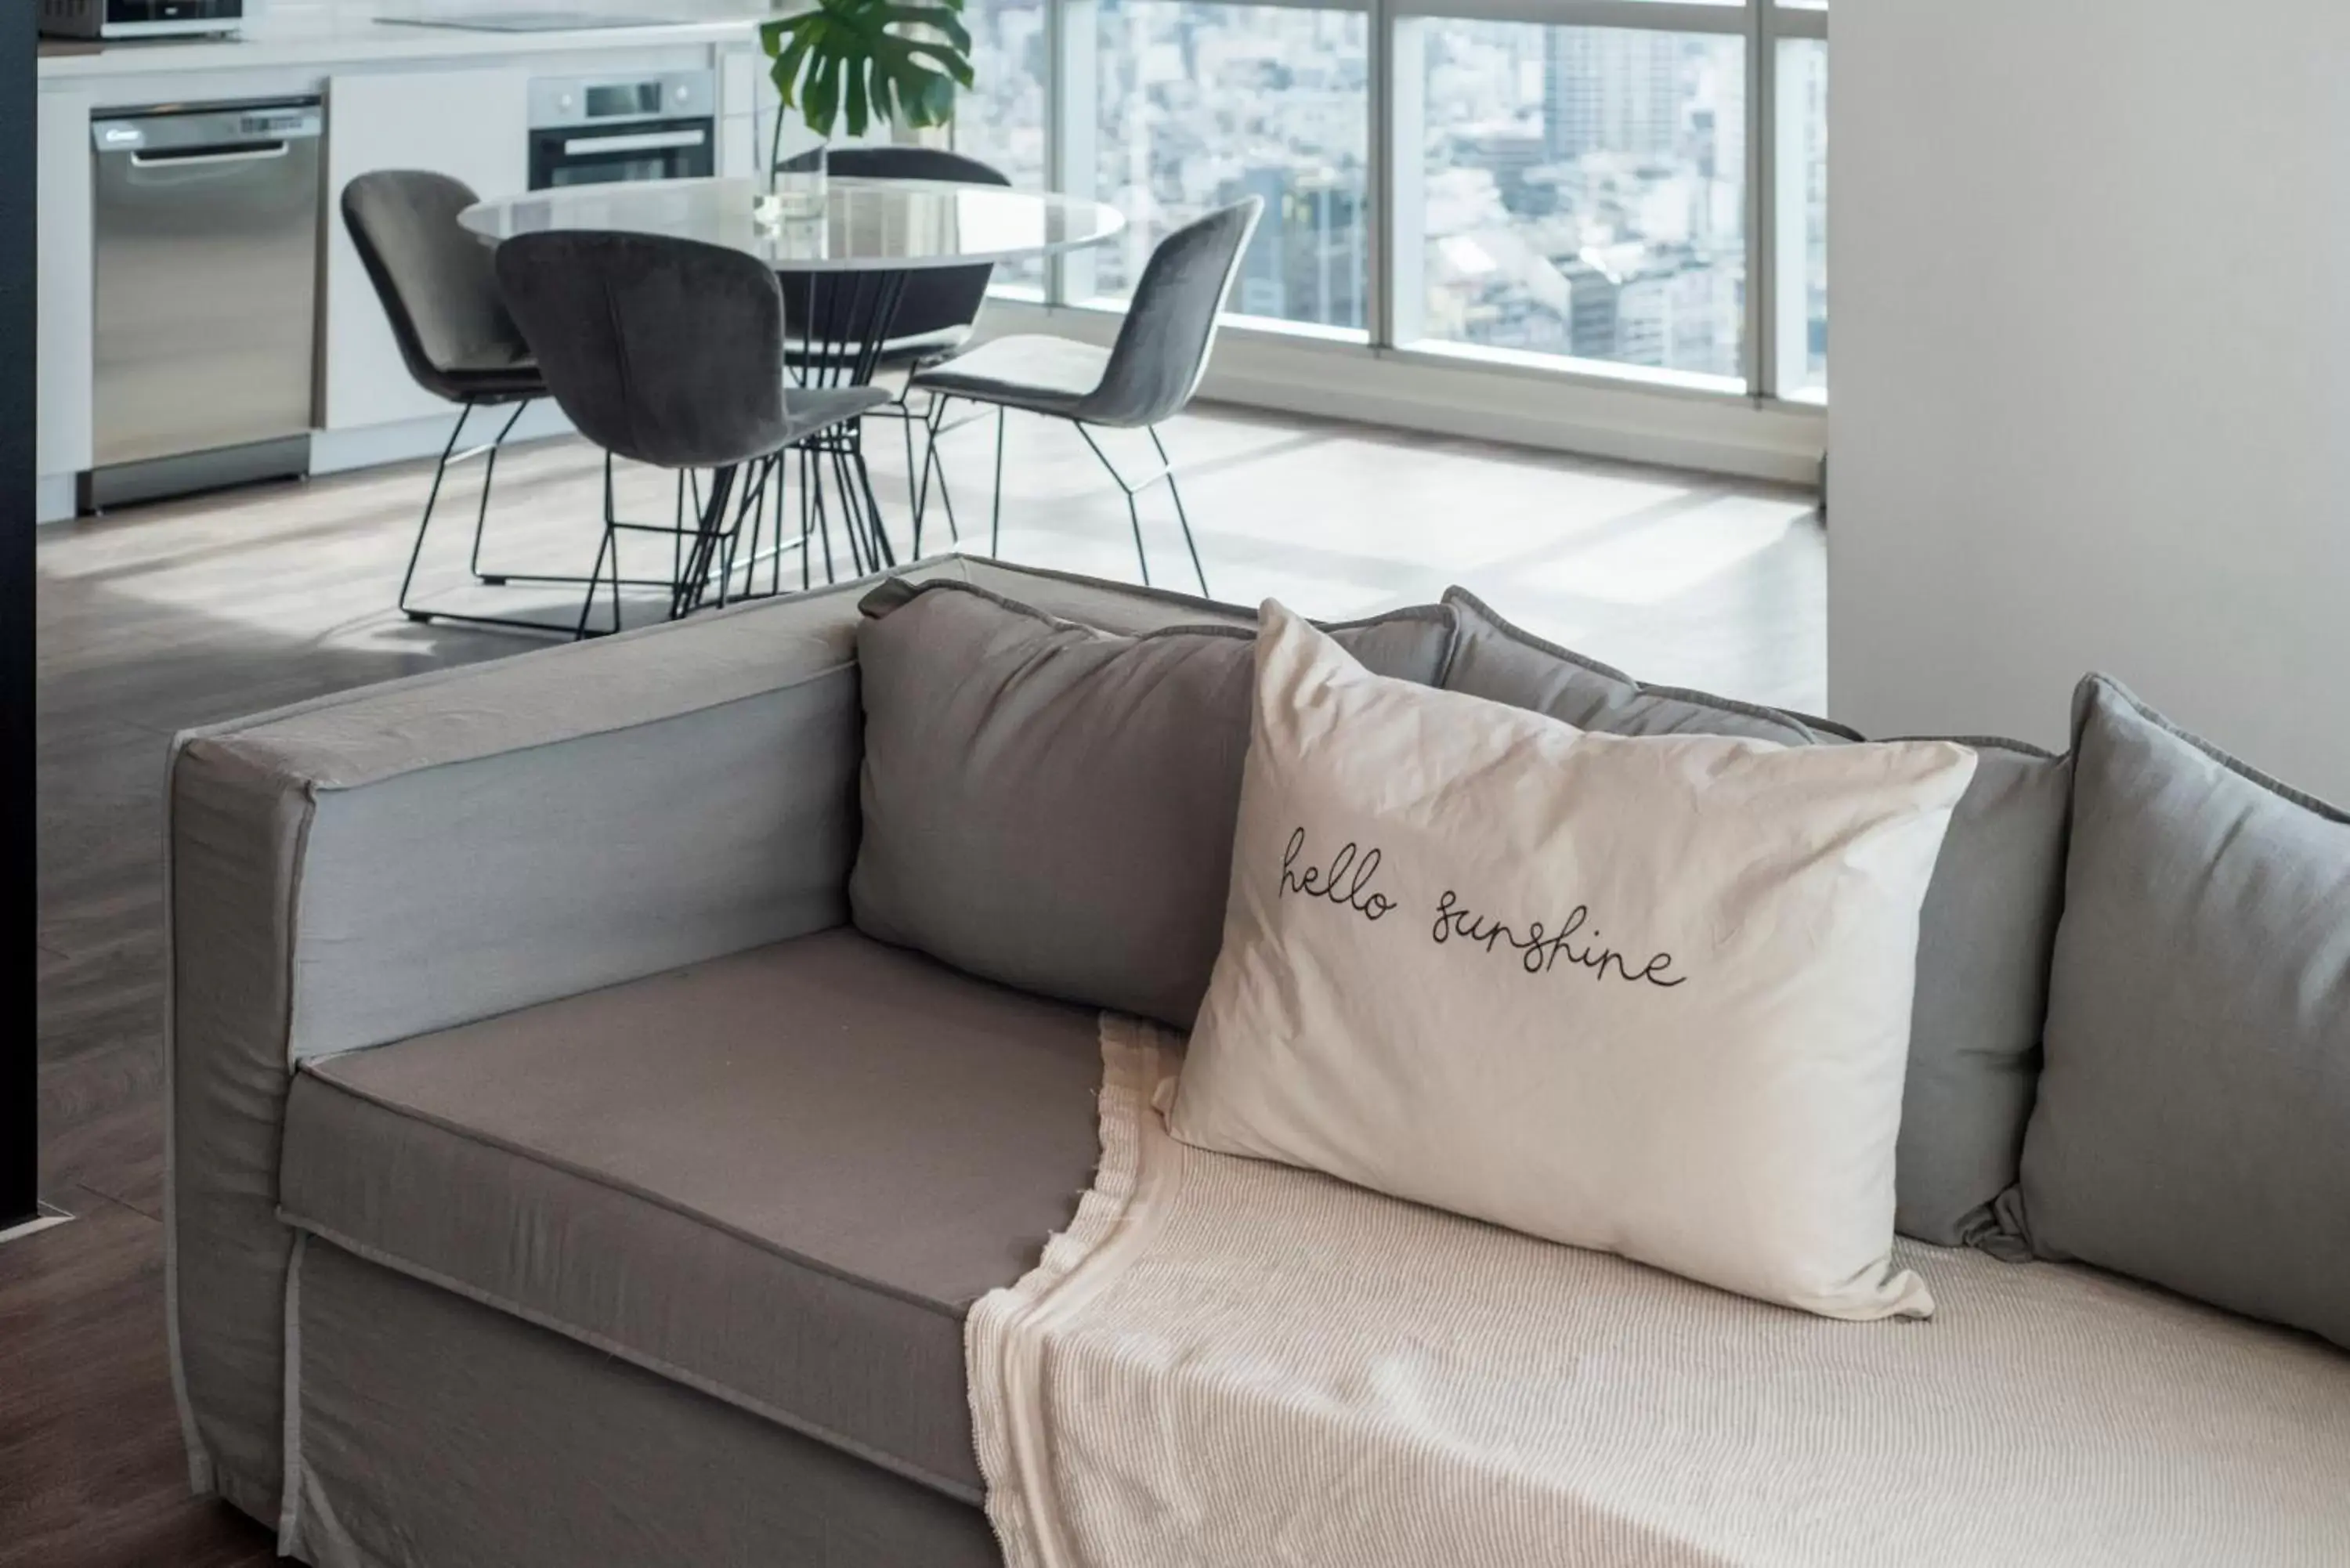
(1382, 235)
(1761, 356)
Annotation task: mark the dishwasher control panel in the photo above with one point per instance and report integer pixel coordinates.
(206, 127)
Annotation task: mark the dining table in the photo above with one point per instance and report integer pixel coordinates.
(843, 269)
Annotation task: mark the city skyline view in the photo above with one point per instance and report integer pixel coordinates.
(1582, 191)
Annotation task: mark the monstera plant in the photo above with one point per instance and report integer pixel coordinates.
(869, 60)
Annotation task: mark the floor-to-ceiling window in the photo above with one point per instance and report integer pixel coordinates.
(1003, 119)
(1614, 190)
(1198, 103)
(1581, 194)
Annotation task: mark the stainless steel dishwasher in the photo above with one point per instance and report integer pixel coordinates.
(206, 298)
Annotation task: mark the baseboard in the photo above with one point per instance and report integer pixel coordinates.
(49, 1217)
(56, 496)
(338, 452)
(1631, 425)
(1592, 416)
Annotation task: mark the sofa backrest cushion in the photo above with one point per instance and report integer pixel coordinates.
(2193, 1121)
(1504, 663)
(1052, 807)
(1984, 936)
(1985, 939)
(1068, 596)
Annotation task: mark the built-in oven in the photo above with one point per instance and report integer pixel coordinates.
(590, 131)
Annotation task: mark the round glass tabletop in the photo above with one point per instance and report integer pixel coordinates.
(868, 226)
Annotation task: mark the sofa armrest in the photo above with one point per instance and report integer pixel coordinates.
(407, 858)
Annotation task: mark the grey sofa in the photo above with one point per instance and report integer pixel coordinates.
(558, 1176)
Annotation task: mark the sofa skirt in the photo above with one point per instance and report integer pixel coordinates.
(427, 1431)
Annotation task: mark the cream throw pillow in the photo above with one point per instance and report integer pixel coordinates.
(1649, 995)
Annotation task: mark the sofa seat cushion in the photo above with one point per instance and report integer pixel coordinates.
(779, 1177)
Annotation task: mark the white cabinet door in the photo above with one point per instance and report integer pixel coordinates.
(62, 343)
(471, 124)
(746, 111)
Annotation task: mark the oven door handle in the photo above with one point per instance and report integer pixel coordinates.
(642, 141)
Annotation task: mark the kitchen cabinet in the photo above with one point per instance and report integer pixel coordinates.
(746, 111)
(471, 124)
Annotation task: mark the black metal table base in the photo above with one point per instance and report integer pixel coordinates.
(840, 327)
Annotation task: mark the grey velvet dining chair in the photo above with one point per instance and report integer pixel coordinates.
(439, 296)
(670, 352)
(935, 310)
(1149, 374)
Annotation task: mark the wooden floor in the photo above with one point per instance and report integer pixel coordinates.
(161, 618)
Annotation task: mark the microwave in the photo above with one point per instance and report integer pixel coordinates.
(139, 18)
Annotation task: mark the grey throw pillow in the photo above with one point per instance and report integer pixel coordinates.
(2193, 1122)
(1985, 935)
(1985, 939)
(1053, 807)
(1496, 660)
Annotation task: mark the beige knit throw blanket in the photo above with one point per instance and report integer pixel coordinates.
(1227, 1363)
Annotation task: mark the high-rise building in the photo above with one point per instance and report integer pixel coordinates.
(1611, 89)
(1592, 297)
(1304, 262)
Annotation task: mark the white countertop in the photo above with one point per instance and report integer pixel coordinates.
(339, 31)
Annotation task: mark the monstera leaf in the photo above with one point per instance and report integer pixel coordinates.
(869, 60)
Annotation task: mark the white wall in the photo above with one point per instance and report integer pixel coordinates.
(2091, 360)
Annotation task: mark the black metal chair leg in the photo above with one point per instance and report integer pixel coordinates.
(913, 500)
(588, 604)
(860, 553)
(839, 493)
(753, 500)
(812, 503)
(489, 477)
(873, 510)
(423, 523)
(995, 513)
(616, 580)
(826, 499)
(607, 545)
(807, 549)
(1134, 521)
(774, 574)
(1133, 511)
(701, 555)
(612, 513)
(933, 418)
(1176, 495)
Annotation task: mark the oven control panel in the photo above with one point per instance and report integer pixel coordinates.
(559, 102)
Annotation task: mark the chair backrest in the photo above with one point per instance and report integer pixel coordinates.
(437, 282)
(1161, 352)
(934, 299)
(662, 350)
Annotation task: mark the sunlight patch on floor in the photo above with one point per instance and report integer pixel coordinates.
(1669, 556)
